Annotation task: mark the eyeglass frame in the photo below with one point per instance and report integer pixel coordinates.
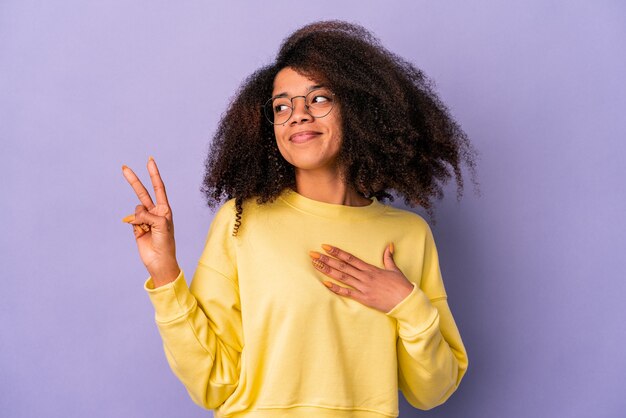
(306, 107)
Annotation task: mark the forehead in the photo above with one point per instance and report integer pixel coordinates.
(290, 81)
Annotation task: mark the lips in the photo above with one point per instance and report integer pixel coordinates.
(304, 136)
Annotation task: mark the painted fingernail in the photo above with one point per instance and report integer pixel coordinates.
(391, 249)
(327, 247)
(151, 158)
(314, 254)
(328, 284)
(128, 219)
(318, 264)
(124, 166)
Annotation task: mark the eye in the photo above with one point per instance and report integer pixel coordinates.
(278, 108)
(320, 98)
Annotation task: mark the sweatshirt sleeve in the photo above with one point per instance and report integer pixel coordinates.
(200, 325)
(431, 357)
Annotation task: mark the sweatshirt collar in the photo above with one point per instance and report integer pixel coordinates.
(330, 210)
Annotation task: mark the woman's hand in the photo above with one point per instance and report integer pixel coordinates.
(377, 288)
(153, 227)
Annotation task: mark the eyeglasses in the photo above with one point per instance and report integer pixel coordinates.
(317, 103)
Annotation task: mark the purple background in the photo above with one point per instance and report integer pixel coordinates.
(534, 267)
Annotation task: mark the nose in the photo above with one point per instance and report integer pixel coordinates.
(300, 113)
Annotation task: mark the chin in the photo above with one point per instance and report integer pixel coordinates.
(304, 164)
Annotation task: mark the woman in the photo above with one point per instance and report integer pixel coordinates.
(312, 297)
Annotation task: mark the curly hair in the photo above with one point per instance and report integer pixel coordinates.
(397, 134)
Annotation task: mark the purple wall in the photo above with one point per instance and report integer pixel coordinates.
(534, 268)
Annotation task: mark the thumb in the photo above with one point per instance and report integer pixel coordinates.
(388, 258)
(142, 216)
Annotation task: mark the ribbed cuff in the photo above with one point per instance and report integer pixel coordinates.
(414, 313)
(170, 301)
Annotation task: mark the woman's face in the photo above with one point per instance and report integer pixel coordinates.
(306, 142)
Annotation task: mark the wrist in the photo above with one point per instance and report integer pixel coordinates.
(405, 291)
(165, 276)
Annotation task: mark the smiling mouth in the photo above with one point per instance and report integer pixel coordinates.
(301, 137)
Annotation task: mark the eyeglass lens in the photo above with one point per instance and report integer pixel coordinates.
(318, 103)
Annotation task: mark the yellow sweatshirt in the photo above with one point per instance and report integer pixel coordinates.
(257, 334)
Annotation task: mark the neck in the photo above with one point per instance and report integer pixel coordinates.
(328, 187)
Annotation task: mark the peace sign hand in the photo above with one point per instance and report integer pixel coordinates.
(381, 289)
(153, 227)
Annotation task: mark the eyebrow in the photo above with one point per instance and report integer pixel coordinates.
(311, 88)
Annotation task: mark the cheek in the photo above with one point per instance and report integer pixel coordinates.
(278, 139)
(337, 134)
(279, 133)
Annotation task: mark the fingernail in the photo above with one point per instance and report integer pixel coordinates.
(124, 167)
(314, 254)
(151, 158)
(327, 247)
(328, 284)
(391, 248)
(128, 219)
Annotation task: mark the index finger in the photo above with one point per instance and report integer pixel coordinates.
(157, 183)
(140, 190)
(347, 257)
